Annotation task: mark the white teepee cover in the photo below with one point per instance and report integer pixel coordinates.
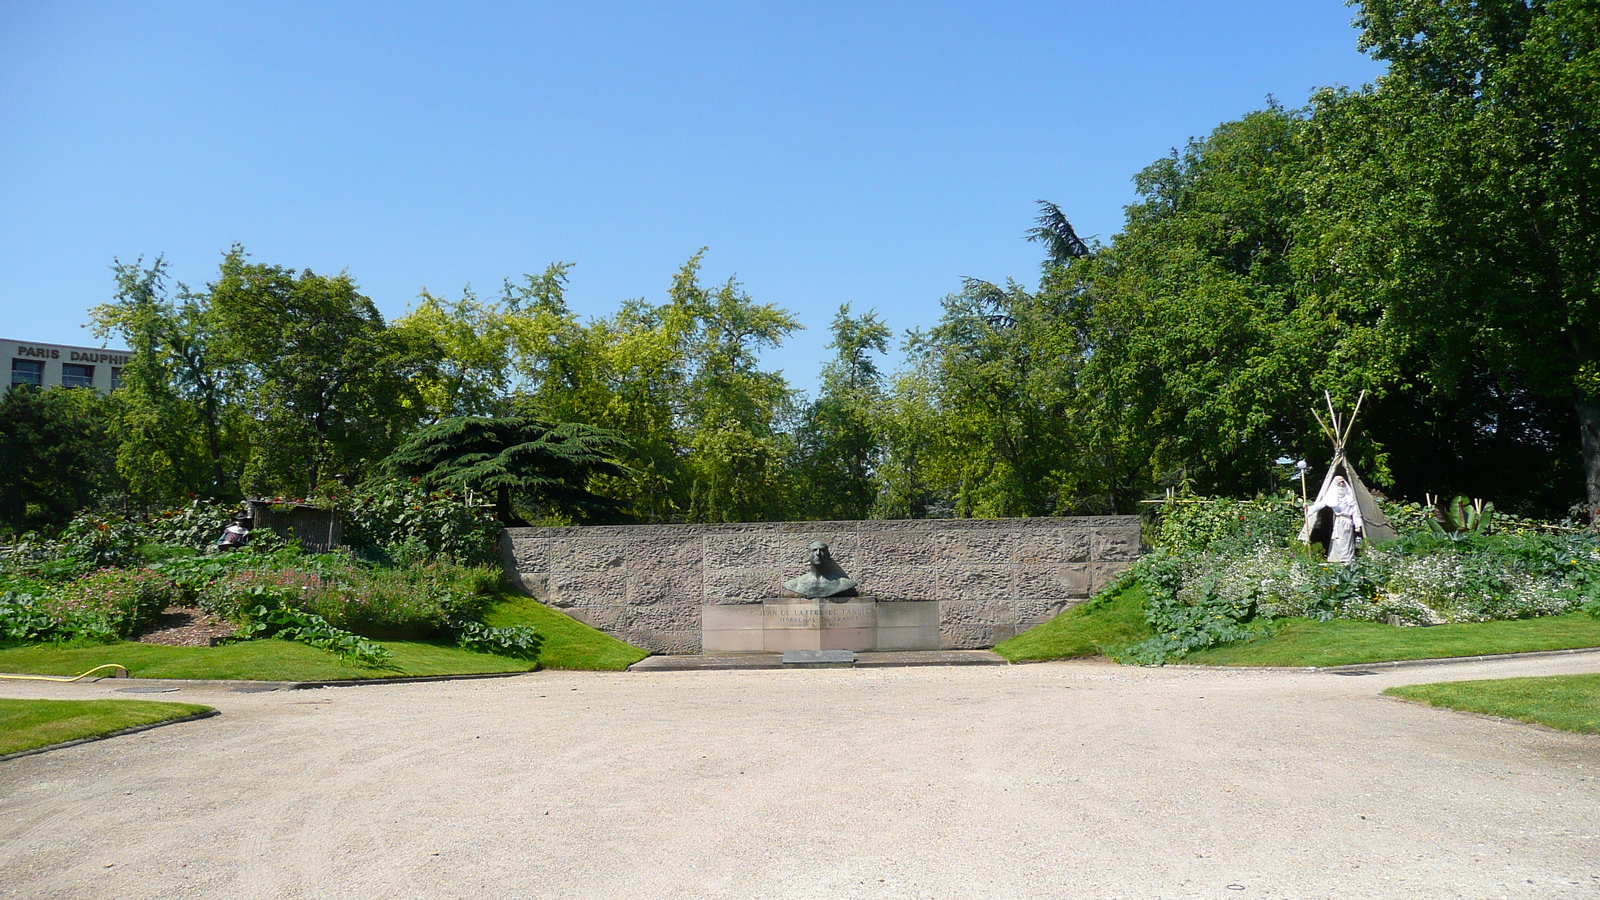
(1375, 526)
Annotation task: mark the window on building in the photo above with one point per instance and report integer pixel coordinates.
(73, 375)
(27, 371)
(116, 377)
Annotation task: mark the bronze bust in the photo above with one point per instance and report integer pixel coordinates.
(824, 577)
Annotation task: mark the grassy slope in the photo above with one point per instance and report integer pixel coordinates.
(568, 643)
(26, 724)
(1105, 623)
(1300, 642)
(1568, 702)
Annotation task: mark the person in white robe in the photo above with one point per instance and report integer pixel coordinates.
(1341, 500)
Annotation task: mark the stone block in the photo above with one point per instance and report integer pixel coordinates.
(910, 614)
(1042, 581)
(892, 549)
(650, 552)
(921, 637)
(966, 547)
(1066, 544)
(728, 585)
(529, 554)
(587, 588)
(1032, 612)
(664, 586)
(745, 617)
(976, 582)
(1115, 542)
(587, 554)
(973, 637)
(784, 614)
(738, 640)
(781, 640)
(1106, 572)
(534, 584)
(976, 612)
(743, 551)
(898, 582)
(848, 613)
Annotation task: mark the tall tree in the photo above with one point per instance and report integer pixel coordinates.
(53, 455)
(1467, 189)
(179, 429)
(330, 384)
(839, 439)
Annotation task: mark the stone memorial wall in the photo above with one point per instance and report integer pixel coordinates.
(953, 583)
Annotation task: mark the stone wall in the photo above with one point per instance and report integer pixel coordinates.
(992, 578)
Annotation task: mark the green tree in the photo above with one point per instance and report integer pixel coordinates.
(330, 385)
(1465, 189)
(54, 458)
(839, 439)
(179, 430)
(532, 469)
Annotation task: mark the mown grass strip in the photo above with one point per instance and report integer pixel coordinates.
(31, 724)
(1301, 642)
(264, 660)
(1567, 702)
(1101, 626)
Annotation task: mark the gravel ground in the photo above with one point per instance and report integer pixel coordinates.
(1079, 780)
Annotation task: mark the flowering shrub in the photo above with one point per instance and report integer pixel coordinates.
(1221, 570)
(420, 601)
(125, 599)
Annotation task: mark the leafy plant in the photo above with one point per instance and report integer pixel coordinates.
(518, 641)
(312, 630)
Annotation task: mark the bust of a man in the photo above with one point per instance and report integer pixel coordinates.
(824, 578)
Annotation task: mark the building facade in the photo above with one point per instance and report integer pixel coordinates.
(51, 365)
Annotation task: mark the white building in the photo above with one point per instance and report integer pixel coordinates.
(47, 365)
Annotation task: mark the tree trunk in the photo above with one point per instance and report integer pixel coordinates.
(1589, 431)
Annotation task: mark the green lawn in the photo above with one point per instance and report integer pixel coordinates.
(1300, 642)
(1568, 702)
(27, 724)
(266, 660)
(1106, 623)
(568, 643)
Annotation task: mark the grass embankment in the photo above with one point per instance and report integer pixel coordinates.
(1097, 628)
(29, 724)
(567, 644)
(1567, 702)
(1301, 642)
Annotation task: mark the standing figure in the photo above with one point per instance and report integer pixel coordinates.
(1341, 501)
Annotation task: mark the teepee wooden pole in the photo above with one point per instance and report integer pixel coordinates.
(1353, 414)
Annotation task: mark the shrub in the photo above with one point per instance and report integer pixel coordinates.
(403, 523)
(518, 641)
(29, 618)
(126, 599)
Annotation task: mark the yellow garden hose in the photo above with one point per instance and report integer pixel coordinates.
(122, 672)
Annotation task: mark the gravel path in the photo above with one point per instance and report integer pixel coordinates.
(1079, 780)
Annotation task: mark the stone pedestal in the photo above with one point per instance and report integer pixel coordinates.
(777, 624)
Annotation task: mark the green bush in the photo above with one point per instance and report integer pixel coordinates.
(418, 601)
(403, 523)
(126, 599)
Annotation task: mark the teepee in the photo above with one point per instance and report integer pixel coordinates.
(1375, 525)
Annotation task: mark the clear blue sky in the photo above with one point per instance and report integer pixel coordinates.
(873, 153)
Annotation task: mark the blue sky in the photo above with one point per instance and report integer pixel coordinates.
(825, 152)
